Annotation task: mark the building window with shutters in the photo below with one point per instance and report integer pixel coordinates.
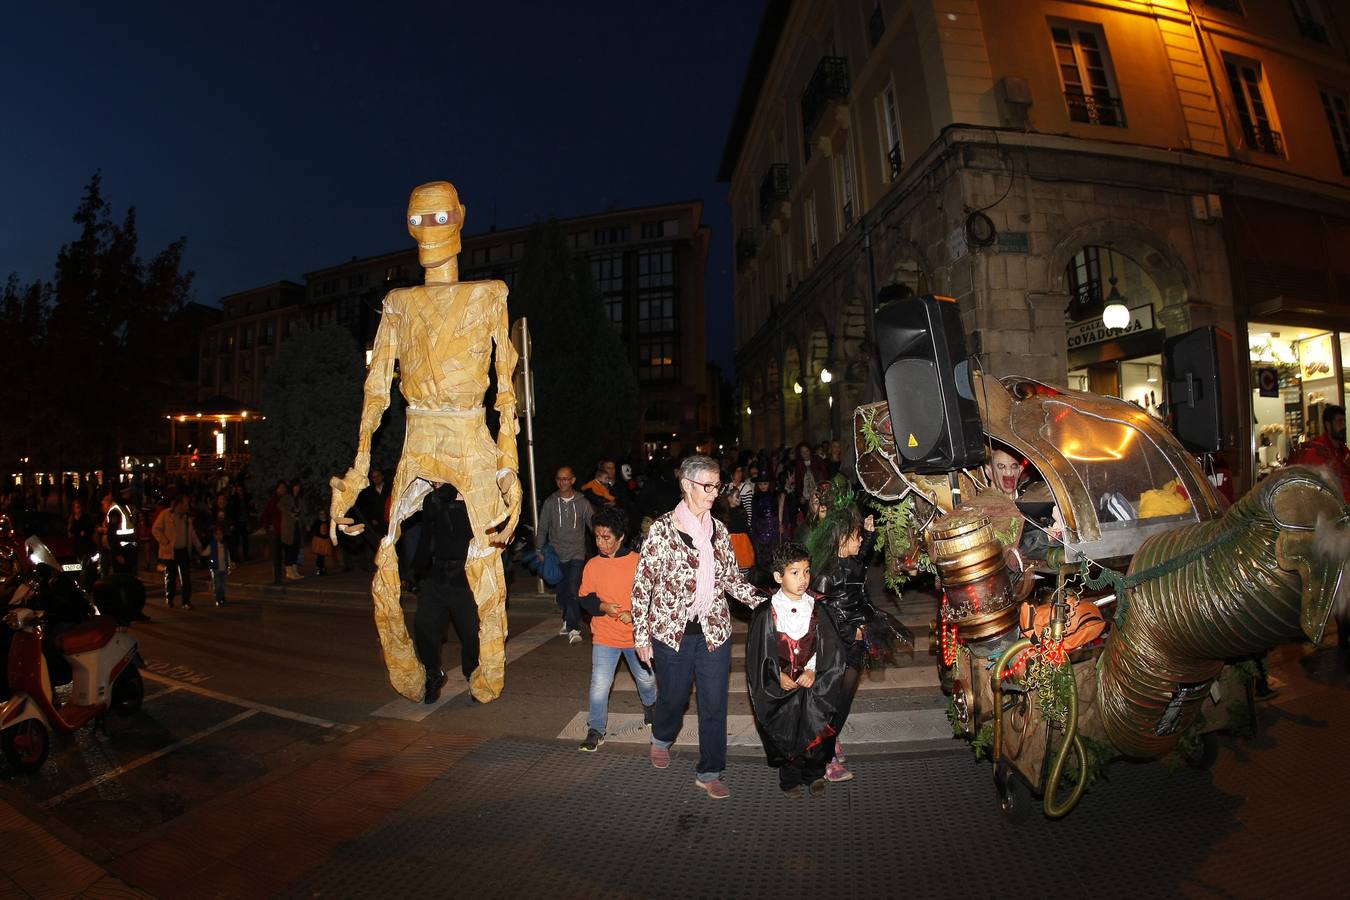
(1337, 109)
(1086, 75)
(847, 200)
(1255, 112)
(892, 159)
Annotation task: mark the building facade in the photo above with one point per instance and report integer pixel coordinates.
(1036, 160)
(647, 264)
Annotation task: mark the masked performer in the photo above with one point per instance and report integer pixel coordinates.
(442, 335)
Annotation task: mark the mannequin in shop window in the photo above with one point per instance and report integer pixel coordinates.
(1328, 448)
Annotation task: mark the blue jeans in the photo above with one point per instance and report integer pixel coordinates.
(567, 593)
(675, 674)
(604, 662)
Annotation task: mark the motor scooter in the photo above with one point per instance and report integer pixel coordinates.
(104, 661)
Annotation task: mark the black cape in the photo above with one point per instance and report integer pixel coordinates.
(790, 722)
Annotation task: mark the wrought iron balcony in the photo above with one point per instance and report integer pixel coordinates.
(830, 82)
(1095, 110)
(773, 190)
(897, 159)
(1311, 29)
(876, 27)
(1263, 140)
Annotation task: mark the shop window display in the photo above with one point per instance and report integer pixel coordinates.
(1296, 373)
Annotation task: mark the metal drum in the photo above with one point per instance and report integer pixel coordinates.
(969, 561)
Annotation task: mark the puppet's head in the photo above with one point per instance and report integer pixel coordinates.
(435, 219)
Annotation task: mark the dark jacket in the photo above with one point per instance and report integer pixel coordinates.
(842, 590)
(443, 544)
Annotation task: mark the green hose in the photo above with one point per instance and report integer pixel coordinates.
(1053, 810)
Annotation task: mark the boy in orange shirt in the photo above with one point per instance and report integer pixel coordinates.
(607, 594)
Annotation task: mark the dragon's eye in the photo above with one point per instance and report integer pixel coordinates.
(414, 220)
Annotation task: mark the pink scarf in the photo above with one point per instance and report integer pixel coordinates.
(701, 532)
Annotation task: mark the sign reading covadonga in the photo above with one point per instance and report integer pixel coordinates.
(1094, 331)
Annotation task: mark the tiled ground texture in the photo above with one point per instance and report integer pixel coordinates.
(517, 816)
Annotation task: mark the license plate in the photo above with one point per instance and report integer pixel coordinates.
(72, 567)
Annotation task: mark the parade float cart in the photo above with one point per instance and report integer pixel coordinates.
(1114, 609)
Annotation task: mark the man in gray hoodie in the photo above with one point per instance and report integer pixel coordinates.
(563, 521)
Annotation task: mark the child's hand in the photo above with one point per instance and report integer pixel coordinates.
(870, 523)
(806, 679)
(785, 682)
(626, 617)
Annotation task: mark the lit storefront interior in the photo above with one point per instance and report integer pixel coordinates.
(1296, 372)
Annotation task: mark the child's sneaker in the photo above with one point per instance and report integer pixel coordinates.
(839, 752)
(818, 787)
(793, 793)
(593, 741)
(836, 772)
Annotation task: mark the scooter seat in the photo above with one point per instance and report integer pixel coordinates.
(87, 636)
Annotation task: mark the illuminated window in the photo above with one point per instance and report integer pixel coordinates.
(657, 315)
(1086, 75)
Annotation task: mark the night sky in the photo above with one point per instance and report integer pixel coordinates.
(282, 138)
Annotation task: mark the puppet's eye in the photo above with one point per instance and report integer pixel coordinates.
(442, 218)
(414, 220)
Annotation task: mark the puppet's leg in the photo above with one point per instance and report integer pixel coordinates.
(486, 578)
(405, 671)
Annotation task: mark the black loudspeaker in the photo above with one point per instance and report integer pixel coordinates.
(1202, 388)
(926, 371)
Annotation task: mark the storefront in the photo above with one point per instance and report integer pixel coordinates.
(1114, 362)
(1296, 373)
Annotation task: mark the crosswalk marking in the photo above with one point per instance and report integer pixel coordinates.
(920, 675)
(902, 726)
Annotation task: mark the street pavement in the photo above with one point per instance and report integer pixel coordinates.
(272, 759)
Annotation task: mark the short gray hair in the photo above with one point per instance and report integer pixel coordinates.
(692, 465)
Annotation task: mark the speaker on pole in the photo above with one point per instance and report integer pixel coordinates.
(926, 372)
(1202, 388)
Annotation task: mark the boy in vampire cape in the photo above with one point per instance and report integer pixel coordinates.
(794, 668)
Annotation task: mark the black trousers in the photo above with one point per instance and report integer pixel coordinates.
(439, 603)
(806, 768)
(175, 570)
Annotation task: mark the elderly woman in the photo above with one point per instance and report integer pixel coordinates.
(682, 624)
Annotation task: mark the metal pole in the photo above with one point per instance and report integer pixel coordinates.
(529, 430)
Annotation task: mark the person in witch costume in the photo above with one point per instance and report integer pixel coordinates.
(794, 668)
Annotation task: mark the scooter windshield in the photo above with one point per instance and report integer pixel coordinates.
(38, 554)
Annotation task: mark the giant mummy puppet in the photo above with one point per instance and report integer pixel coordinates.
(442, 334)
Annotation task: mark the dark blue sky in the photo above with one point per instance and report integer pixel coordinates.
(283, 137)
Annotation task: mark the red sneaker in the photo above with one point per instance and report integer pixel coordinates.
(714, 789)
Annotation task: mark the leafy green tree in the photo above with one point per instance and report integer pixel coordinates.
(586, 395)
(311, 403)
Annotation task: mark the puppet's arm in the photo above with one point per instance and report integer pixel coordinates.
(378, 382)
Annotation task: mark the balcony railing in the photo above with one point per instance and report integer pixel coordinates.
(1263, 140)
(830, 82)
(1311, 29)
(1095, 110)
(773, 190)
(876, 27)
(897, 159)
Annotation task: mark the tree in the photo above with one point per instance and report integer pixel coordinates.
(586, 396)
(23, 322)
(311, 403)
(108, 309)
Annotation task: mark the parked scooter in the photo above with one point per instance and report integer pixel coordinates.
(100, 653)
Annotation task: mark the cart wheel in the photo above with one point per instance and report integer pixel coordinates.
(1205, 751)
(26, 745)
(1014, 797)
(128, 691)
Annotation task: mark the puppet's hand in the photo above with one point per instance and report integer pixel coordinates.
(807, 678)
(786, 683)
(509, 485)
(345, 491)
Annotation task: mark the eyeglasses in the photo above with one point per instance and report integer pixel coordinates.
(708, 486)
